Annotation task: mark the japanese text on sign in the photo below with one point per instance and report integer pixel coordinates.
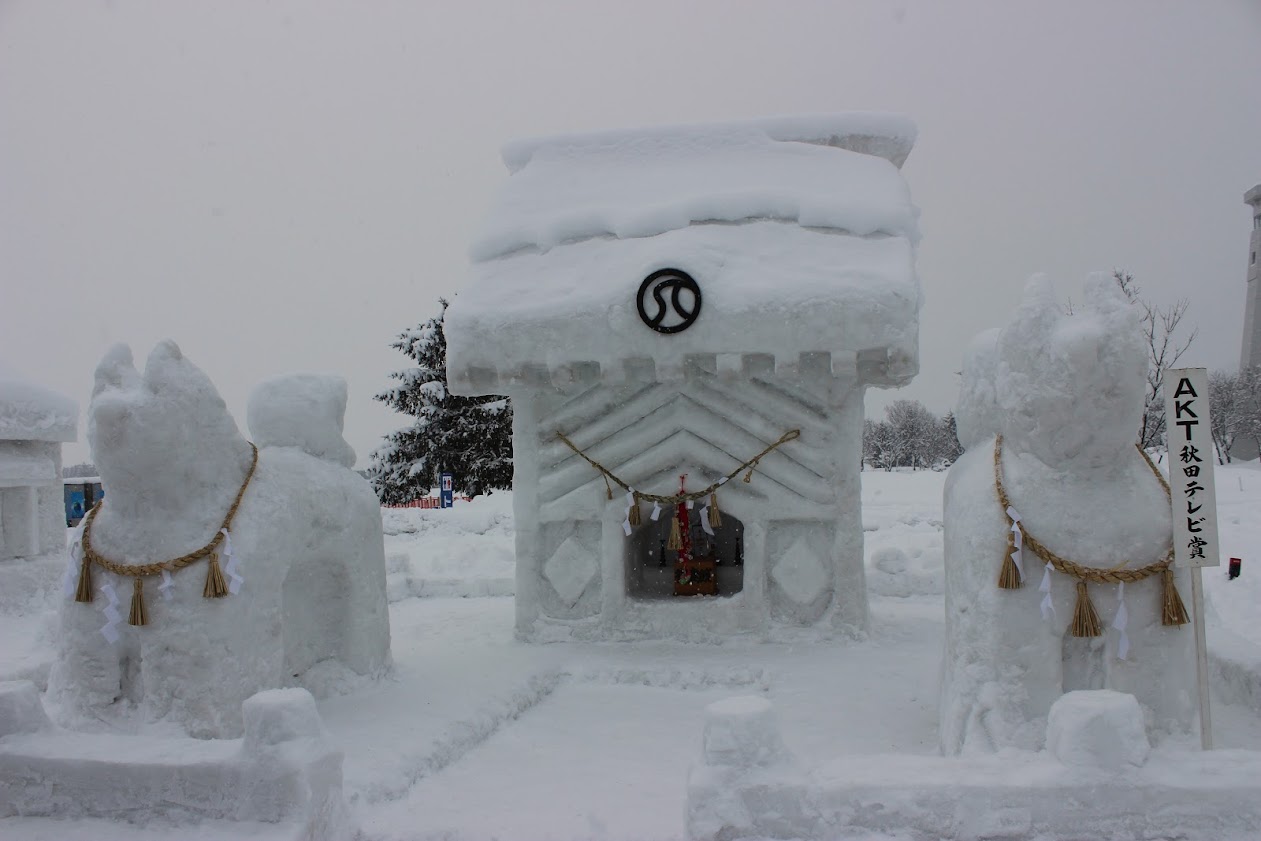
(1194, 496)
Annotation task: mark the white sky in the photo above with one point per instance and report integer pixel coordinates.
(284, 186)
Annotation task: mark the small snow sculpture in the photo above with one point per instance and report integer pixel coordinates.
(34, 422)
(1048, 411)
(300, 557)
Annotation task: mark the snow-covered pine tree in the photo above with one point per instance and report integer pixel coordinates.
(469, 437)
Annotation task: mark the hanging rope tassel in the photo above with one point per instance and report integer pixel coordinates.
(1085, 618)
(633, 515)
(215, 587)
(715, 516)
(137, 616)
(675, 543)
(1008, 575)
(83, 593)
(608, 489)
(1174, 612)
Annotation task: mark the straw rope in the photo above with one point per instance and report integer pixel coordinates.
(143, 570)
(750, 465)
(1085, 618)
(1113, 575)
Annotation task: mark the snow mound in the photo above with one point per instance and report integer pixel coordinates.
(1097, 729)
(31, 412)
(306, 411)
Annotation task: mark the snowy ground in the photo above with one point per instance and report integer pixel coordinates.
(477, 736)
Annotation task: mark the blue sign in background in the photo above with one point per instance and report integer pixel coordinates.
(447, 490)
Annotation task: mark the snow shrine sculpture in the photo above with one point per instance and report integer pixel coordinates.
(672, 309)
(1057, 530)
(34, 423)
(288, 587)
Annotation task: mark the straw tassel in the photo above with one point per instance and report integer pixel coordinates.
(1008, 575)
(84, 591)
(675, 543)
(715, 516)
(138, 616)
(1174, 612)
(1085, 619)
(608, 489)
(215, 587)
(633, 515)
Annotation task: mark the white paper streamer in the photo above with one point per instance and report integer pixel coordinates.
(70, 581)
(1017, 554)
(656, 511)
(165, 586)
(705, 521)
(689, 505)
(1048, 609)
(1120, 623)
(630, 501)
(112, 616)
(235, 580)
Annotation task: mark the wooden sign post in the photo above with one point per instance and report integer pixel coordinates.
(1194, 500)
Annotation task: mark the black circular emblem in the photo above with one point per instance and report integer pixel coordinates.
(677, 313)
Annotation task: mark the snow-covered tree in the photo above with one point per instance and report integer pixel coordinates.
(947, 448)
(910, 436)
(1235, 408)
(914, 430)
(469, 437)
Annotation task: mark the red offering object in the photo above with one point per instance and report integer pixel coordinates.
(1235, 564)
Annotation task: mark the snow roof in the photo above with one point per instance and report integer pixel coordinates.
(30, 412)
(799, 231)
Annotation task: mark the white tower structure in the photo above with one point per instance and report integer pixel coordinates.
(1251, 354)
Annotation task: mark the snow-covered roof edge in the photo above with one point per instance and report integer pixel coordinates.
(30, 412)
(887, 135)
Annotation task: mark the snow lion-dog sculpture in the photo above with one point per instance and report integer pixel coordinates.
(1048, 413)
(292, 591)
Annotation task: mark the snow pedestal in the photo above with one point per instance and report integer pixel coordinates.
(799, 238)
(745, 785)
(283, 772)
(1097, 729)
(20, 708)
(742, 733)
(742, 752)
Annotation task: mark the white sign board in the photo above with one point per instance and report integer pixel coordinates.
(1194, 497)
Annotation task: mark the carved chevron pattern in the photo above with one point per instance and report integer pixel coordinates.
(644, 432)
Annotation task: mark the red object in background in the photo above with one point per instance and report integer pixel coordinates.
(1235, 564)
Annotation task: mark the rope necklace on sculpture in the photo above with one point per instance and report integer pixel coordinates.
(215, 586)
(1085, 618)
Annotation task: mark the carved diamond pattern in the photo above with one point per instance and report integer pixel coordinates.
(570, 570)
(800, 573)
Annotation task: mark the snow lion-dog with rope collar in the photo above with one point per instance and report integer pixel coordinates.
(214, 568)
(1049, 412)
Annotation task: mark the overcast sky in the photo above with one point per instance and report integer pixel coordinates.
(284, 186)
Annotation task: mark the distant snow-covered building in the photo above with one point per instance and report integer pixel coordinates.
(34, 423)
(674, 301)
